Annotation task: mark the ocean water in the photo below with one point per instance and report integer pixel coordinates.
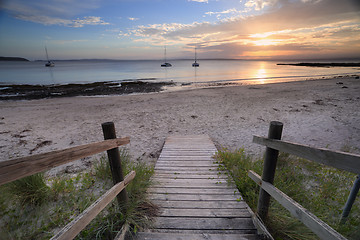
(181, 72)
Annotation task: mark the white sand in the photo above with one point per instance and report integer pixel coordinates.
(319, 113)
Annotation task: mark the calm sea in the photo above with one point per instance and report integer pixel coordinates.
(209, 72)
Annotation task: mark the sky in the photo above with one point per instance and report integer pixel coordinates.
(139, 29)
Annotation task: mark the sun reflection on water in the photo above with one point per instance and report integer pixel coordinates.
(261, 75)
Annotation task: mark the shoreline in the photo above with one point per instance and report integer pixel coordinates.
(140, 86)
(322, 113)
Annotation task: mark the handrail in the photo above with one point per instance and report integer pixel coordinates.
(320, 228)
(81, 221)
(341, 160)
(14, 169)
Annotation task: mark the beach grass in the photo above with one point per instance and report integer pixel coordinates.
(30, 190)
(320, 189)
(64, 197)
(137, 213)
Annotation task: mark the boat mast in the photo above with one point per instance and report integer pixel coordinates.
(195, 54)
(47, 56)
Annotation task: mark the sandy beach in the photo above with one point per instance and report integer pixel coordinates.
(321, 113)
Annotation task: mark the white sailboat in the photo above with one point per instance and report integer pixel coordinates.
(49, 63)
(195, 64)
(165, 64)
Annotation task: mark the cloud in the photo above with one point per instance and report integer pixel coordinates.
(232, 11)
(176, 33)
(54, 8)
(91, 20)
(54, 12)
(260, 4)
(286, 27)
(46, 20)
(133, 19)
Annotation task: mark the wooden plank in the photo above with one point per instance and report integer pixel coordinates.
(196, 223)
(185, 160)
(191, 182)
(186, 153)
(188, 190)
(122, 233)
(181, 149)
(186, 164)
(209, 231)
(208, 213)
(196, 185)
(192, 156)
(181, 155)
(190, 169)
(187, 145)
(345, 161)
(207, 170)
(80, 222)
(190, 176)
(193, 197)
(197, 236)
(201, 204)
(198, 172)
(14, 169)
(320, 228)
(193, 174)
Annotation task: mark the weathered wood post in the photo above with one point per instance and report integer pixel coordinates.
(271, 156)
(351, 199)
(115, 161)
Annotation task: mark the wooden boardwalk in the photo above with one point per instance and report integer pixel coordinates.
(195, 200)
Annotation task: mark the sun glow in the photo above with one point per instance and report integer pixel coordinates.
(265, 42)
(261, 35)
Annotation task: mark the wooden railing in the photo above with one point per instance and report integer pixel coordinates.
(345, 161)
(80, 222)
(14, 169)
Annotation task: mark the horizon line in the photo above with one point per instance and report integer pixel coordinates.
(205, 59)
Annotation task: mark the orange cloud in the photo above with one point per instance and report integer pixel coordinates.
(328, 28)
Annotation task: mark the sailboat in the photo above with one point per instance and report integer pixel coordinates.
(49, 63)
(195, 64)
(165, 64)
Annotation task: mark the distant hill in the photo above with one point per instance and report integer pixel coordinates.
(13, 59)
